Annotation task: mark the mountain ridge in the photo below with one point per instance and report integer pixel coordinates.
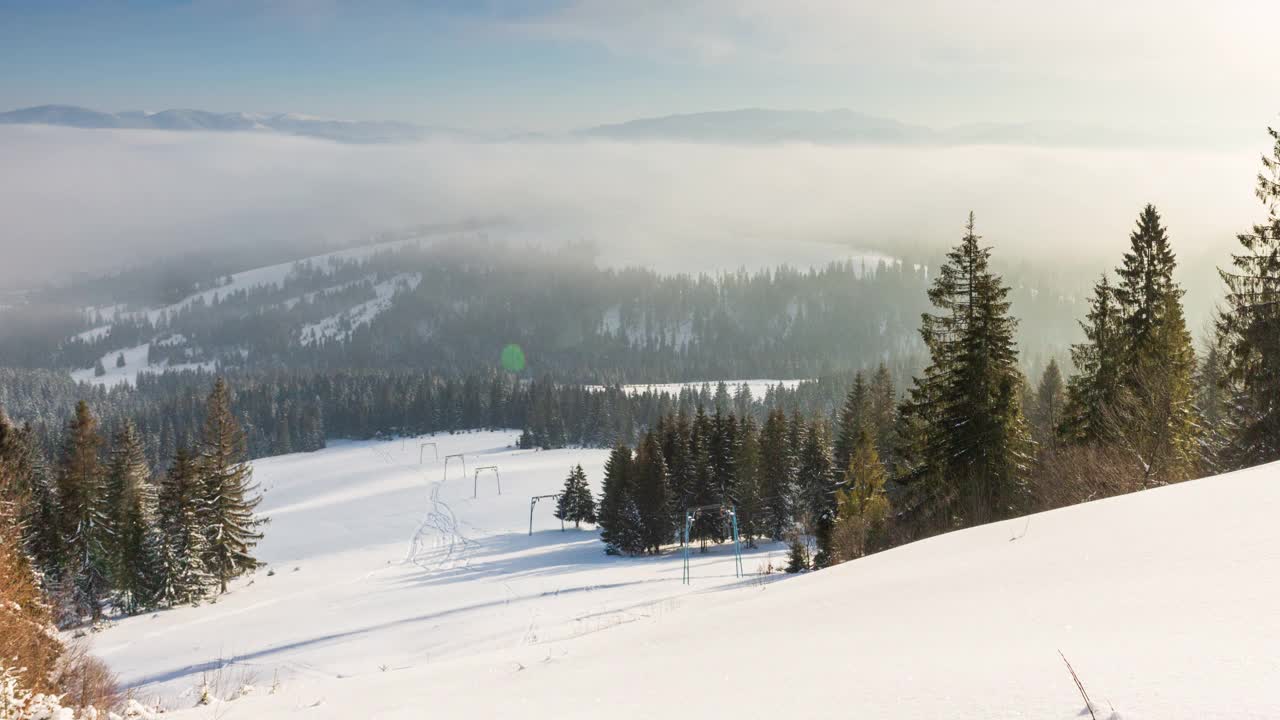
(741, 126)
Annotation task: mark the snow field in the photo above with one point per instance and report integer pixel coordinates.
(351, 594)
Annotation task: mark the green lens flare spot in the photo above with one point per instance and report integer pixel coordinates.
(513, 358)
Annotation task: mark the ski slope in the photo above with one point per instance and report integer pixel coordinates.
(367, 575)
(1163, 601)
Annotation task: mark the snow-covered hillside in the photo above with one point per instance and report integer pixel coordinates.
(348, 592)
(270, 276)
(1164, 602)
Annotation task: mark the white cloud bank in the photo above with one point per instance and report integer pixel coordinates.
(76, 200)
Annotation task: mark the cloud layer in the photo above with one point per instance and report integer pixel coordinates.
(91, 200)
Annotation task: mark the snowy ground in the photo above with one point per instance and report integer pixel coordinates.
(1164, 602)
(346, 600)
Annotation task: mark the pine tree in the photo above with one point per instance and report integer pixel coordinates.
(777, 475)
(853, 417)
(884, 413)
(1155, 416)
(968, 453)
(1050, 398)
(618, 516)
(1099, 361)
(653, 500)
(747, 493)
(715, 479)
(135, 543)
(184, 546)
(817, 481)
(797, 554)
(86, 523)
(1249, 329)
(229, 497)
(283, 442)
(575, 503)
(1213, 409)
(862, 506)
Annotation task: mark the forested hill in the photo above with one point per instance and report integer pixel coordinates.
(450, 303)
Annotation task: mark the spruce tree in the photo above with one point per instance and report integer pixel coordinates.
(817, 481)
(653, 500)
(84, 514)
(969, 444)
(854, 415)
(618, 516)
(777, 475)
(184, 545)
(135, 542)
(575, 503)
(1249, 329)
(863, 507)
(229, 496)
(1214, 410)
(1155, 417)
(1047, 412)
(747, 493)
(884, 413)
(1099, 361)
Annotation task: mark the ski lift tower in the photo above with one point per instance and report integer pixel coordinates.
(533, 500)
(475, 491)
(724, 511)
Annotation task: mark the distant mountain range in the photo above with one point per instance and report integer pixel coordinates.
(289, 123)
(847, 127)
(745, 126)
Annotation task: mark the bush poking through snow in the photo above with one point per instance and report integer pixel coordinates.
(1095, 710)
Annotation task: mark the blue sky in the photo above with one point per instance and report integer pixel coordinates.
(558, 64)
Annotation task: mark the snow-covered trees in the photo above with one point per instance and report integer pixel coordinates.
(135, 541)
(575, 503)
(183, 545)
(816, 481)
(778, 472)
(104, 536)
(228, 493)
(652, 497)
(618, 516)
(84, 513)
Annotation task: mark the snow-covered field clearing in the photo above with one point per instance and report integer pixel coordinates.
(1164, 602)
(347, 600)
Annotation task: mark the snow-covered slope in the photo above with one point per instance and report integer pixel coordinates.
(376, 565)
(1164, 602)
(262, 277)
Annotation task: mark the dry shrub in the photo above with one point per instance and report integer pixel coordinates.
(27, 638)
(1075, 474)
(85, 681)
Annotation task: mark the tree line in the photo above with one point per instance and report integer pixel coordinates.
(972, 441)
(103, 530)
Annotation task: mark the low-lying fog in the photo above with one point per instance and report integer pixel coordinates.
(92, 200)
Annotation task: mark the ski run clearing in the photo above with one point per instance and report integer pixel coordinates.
(391, 594)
